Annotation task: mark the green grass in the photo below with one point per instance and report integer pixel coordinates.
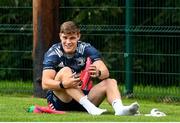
(159, 94)
(16, 97)
(12, 87)
(13, 108)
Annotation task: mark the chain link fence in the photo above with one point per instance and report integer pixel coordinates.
(154, 30)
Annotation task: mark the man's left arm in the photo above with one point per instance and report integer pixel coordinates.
(98, 69)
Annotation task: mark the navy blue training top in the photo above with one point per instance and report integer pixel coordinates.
(55, 58)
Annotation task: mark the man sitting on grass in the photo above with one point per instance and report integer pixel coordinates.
(62, 65)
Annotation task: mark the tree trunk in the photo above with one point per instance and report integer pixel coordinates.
(45, 33)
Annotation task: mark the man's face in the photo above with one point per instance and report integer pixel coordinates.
(69, 42)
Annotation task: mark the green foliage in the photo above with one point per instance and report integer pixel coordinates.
(103, 22)
(15, 39)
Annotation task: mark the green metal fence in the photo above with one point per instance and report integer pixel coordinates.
(150, 33)
(15, 40)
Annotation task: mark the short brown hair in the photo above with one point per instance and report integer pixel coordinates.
(69, 27)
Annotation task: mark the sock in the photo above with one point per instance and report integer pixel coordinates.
(90, 107)
(119, 101)
(124, 110)
(117, 105)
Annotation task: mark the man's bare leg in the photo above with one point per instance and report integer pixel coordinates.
(110, 89)
(66, 95)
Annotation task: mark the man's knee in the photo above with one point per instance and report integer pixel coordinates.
(63, 71)
(110, 82)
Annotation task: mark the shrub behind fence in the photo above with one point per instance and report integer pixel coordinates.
(154, 31)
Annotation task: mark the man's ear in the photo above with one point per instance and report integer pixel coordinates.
(60, 35)
(79, 35)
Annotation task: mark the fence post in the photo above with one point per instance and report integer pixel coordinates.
(45, 31)
(128, 50)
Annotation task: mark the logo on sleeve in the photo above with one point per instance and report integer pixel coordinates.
(61, 64)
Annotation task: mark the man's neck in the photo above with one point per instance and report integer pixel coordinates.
(68, 55)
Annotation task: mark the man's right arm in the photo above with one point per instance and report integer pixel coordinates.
(48, 81)
(51, 81)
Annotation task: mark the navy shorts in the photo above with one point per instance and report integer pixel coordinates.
(56, 103)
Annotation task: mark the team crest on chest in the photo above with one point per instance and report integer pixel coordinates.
(80, 61)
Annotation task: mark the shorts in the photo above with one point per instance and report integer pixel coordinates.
(57, 104)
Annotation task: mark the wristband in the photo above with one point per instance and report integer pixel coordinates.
(61, 85)
(99, 74)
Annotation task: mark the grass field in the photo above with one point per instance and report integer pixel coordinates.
(13, 108)
(16, 97)
(163, 94)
